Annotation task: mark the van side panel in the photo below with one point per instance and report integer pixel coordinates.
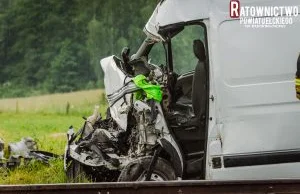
(257, 96)
(257, 112)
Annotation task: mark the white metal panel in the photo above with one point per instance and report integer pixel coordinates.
(256, 88)
(151, 26)
(252, 79)
(114, 79)
(176, 11)
(113, 76)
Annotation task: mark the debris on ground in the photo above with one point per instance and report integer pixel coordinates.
(22, 152)
(23, 147)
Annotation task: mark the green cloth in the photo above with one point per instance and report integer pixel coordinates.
(152, 91)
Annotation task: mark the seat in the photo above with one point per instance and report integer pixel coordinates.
(195, 141)
(198, 86)
(189, 128)
(195, 149)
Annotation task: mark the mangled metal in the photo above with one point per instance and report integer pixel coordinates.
(22, 152)
(135, 127)
(139, 135)
(22, 148)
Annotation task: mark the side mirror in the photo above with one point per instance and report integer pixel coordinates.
(125, 55)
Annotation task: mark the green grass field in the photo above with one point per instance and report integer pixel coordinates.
(47, 124)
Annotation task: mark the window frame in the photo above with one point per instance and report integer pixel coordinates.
(170, 48)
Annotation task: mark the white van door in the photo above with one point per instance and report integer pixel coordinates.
(255, 132)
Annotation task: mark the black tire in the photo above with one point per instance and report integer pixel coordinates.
(136, 170)
(75, 172)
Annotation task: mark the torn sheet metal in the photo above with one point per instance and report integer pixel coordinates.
(23, 152)
(23, 147)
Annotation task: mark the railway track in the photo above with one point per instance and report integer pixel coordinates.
(178, 187)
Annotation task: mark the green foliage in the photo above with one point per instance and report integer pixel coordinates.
(50, 132)
(66, 73)
(49, 129)
(55, 46)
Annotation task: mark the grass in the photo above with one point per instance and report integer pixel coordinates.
(78, 102)
(44, 119)
(35, 173)
(48, 129)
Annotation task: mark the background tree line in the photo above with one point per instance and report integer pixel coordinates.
(49, 46)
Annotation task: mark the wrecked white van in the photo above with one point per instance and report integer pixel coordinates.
(230, 112)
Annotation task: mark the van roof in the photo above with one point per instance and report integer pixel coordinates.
(169, 12)
(176, 11)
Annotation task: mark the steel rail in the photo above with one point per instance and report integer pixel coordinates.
(283, 186)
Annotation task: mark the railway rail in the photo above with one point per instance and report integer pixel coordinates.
(175, 187)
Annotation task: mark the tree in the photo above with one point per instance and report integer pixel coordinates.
(55, 46)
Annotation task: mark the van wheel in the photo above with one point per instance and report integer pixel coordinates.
(137, 169)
